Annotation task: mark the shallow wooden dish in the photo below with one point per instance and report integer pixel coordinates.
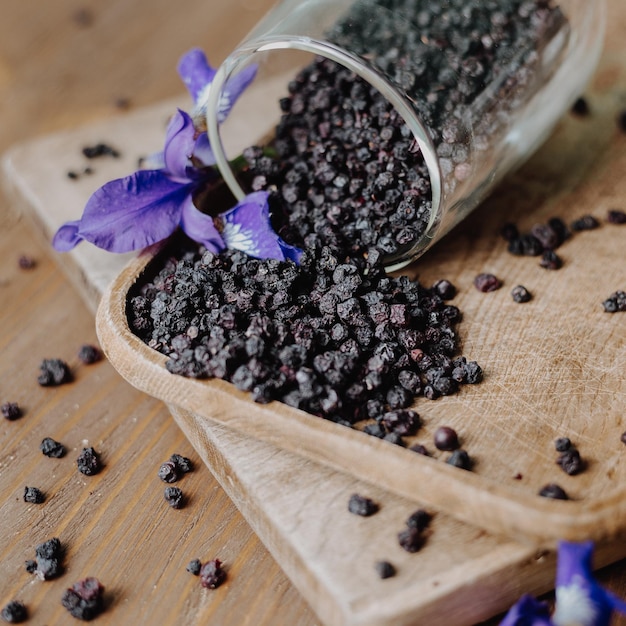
(508, 423)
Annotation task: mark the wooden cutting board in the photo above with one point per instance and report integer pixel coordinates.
(566, 379)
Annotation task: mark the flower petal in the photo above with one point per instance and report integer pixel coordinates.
(527, 611)
(179, 145)
(247, 227)
(200, 227)
(133, 212)
(233, 89)
(203, 151)
(195, 71)
(67, 237)
(579, 597)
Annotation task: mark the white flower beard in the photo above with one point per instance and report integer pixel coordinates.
(237, 237)
(574, 606)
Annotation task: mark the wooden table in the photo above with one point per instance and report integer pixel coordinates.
(61, 65)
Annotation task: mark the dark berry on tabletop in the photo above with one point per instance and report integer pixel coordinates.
(419, 519)
(553, 491)
(174, 497)
(51, 448)
(14, 612)
(615, 302)
(168, 472)
(100, 149)
(580, 107)
(212, 574)
(520, 294)
(460, 458)
(182, 463)
(616, 216)
(487, 282)
(586, 222)
(33, 495)
(88, 462)
(194, 567)
(570, 461)
(89, 354)
(360, 505)
(444, 289)
(550, 260)
(85, 599)
(561, 444)
(11, 411)
(26, 262)
(49, 557)
(54, 372)
(411, 539)
(446, 438)
(385, 569)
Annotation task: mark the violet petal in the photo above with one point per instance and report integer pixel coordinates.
(200, 227)
(234, 87)
(527, 611)
(247, 227)
(195, 71)
(578, 595)
(179, 145)
(203, 151)
(133, 212)
(67, 236)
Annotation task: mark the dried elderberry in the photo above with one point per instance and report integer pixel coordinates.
(615, 302)
(553, 491)
(194, 566)
(460, 458)
(99, 150)
(26, 262)
(11, 411)
(520, 294)
(33, 495)
(51, 448)
(385, 569)
(88, 462)
(85, 599)
(446, 438)
(212, 574)
(586, 222)
(550, 260)
(411, 539)
(616, 216)
(360, 505)
(89, 354)
(580, 107)
(570, 461)
(419, 519)
(561, 444)
(487, 282)
(174, 497)
(182, 463)
(49, 557)
(54, 372)
(168, 472)
(14, 612)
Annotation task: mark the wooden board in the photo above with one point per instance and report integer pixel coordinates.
(244, 479)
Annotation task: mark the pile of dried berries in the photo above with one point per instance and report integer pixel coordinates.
(334, 336)
(347, 169)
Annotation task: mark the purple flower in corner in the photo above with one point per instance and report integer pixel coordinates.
(136, 211)
(580, 600)
(148, 206)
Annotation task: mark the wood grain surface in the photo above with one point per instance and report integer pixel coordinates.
(57, 69)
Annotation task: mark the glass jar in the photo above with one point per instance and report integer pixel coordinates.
(478, 86)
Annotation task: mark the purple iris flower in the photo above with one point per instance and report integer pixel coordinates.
(580, 600)
(148, 206)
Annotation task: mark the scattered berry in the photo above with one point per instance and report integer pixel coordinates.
(85, 599)
(460, 458)
(33, 495)
(360, 505)
(615, 302)
(194, 567)
(26, 262)
(212, 575)
(54, 372)
(487, 282)
(553, 491)
(88, 462)
(89, 354)
(446, 438)
(51, 448)
(11, 411)
(520, 294)
(14, 612)
(616, 216)
(385, 569)
(174, 497)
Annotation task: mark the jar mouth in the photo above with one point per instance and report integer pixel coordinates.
(245, 55)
